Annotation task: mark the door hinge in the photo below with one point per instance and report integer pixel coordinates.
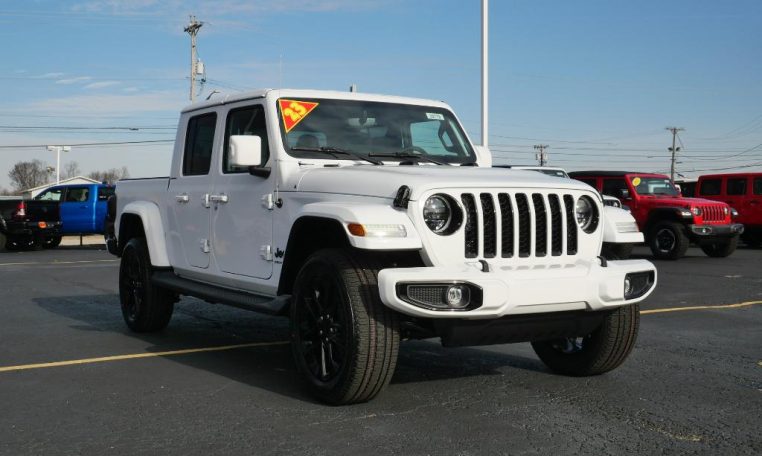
(267, 252)
(205, 247)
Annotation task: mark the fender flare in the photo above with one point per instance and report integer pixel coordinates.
(613, 217)
(153, 227)
(367, 214)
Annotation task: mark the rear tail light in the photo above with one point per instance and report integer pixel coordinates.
(20, 211)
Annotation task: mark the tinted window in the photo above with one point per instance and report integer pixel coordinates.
(51, 195)
(590, 182)
(248, 121)
(199, 142)
(614, 187)
(736, 186)
(758, 186)
(77, 194)
(710, 187)
(105, 192)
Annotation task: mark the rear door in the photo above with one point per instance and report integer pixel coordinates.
(76, 210)
(754, 202)
(736, 195)
(101, 202)
(188, 194)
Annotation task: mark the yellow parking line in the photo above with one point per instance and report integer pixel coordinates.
(26, 263)
(137, 355)
(681, 309)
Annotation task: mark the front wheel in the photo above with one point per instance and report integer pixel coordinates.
(720, 249)
(668, 241)
(343, 338)
(596, 353)
(145, 307)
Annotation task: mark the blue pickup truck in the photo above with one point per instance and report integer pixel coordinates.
(82, 206)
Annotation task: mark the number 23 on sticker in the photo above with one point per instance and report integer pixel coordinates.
(294, 111)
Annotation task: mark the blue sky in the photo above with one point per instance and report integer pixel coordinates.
(597, 81)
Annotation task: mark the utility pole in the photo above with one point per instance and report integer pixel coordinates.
(674, 150)
(485, 72)
(541, 155)
(192, 30)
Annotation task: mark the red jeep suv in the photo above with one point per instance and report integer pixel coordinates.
(743, 192)
(668, 220)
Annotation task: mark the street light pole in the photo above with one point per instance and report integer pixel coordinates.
(58, 150)
(485, 72)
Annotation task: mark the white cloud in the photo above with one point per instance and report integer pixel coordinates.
(131, 89)
(101, 84)
(74, 80)
(50, 75)
(109, 104)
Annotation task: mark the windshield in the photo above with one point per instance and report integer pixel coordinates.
(339, 129)
(554, 172)
(653, 186)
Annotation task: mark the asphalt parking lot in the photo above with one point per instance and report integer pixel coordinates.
(73, 380)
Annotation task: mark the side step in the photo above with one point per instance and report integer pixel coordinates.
(215, 294)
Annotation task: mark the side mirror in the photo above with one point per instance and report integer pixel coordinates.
(245, 151)
(624, 193)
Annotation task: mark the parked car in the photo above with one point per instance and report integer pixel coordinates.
(620, 232)
(25, 224)
(687, 187)
(83, 206)
(369, 220)
(669, 220)
(743, 192)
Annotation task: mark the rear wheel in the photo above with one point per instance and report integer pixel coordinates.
(344, 340)
(52, 242)
(598, 352)
(668, 241)
(611, 251)
(145, 307)
(720, 249)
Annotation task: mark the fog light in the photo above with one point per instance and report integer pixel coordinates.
(627, 286)
(457, 296)
(636, 284)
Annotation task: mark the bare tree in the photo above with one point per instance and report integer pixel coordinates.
(71, 169)
(110, 175)
(29, 174)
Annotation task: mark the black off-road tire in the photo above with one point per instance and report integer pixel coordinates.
(668, 241)
(612, 251)
(720, 249)
(145, 307)
(52, 242)
(599, 352)
(344, 340)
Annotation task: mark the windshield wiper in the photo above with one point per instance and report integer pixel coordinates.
(419, 157)
(334, 151)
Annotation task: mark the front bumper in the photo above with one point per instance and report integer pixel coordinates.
(515, 290)
(715, 231)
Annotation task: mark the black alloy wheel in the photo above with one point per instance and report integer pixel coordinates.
(145, 307)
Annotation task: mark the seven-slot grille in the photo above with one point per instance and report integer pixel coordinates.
(713, 213)
(519, 225)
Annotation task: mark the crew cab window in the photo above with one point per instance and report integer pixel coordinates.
(105, 192)
(51, 195)
(248, 121)
(614, 187)
(199, 143)
(736, 186)
(710, 187)
(77, 194)
(758, 186)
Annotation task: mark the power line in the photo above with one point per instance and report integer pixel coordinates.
(136, 128)
(30, 146)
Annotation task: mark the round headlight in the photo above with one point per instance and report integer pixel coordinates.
(696, 211)
(437, 213)
(587, 214)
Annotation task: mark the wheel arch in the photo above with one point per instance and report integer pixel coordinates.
(664, 214)
(143, 219)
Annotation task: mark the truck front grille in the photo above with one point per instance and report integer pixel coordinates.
(713, 213)
(519, 225)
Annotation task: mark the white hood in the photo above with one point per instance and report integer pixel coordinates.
(384, 181)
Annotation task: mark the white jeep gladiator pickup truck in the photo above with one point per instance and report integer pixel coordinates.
(369, 220)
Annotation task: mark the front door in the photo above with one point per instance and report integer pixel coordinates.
(77, 210)
(241, 216)
(188, 193)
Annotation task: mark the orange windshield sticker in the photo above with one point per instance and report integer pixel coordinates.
(294, 112)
